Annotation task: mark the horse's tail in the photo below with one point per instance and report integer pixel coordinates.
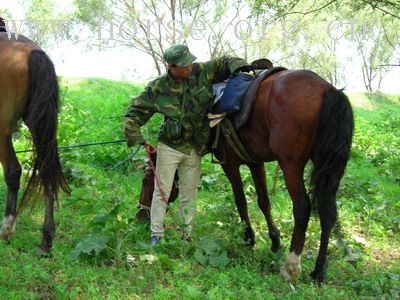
(41, 117)
(331, 151)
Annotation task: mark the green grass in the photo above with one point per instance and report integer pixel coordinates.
(103, 204)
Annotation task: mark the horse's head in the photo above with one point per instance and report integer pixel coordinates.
(147, 190)
(2, 25)
(146, 193)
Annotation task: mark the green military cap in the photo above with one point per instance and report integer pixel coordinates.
(179, 55)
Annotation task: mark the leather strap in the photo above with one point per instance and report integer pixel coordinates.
(234, 141)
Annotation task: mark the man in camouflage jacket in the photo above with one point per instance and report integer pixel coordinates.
(184, 96)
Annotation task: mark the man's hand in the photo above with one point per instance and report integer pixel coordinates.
(133, 140)
(132, 133)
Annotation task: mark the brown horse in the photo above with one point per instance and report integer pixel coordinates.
(297, 117)
(29, 90)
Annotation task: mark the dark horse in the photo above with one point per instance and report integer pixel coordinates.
(29, 90)
(297, 117)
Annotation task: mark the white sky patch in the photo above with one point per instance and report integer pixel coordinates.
(121, 63)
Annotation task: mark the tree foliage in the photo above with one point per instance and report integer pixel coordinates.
(283, 8)
(321, 35)
(150, 26)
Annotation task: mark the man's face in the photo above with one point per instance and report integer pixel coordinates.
(181, 73)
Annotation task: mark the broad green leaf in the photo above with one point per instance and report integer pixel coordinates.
(191, 292)
(200, 257)
(209, 246)
(93, 244)
(166, 261)
(219, 261)
(149, 258)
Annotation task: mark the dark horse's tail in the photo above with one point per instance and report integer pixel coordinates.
(41, 117)
(332, 151)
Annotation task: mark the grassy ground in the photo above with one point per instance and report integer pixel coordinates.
(101, 252)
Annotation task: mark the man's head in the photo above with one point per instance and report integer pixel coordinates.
(179, 60)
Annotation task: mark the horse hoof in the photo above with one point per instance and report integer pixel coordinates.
(248, 242)
(292, 267)
(317, 277)
(275, 248)
(3, 236)
(287, 275)
(276, 240)
(249, 237)
(7, 229)
(43, 253)
(143, 216)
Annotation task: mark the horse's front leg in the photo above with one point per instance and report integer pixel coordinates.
(12, 174)
(48, 230)
(258, 174)
(232, 172)
(301, 210)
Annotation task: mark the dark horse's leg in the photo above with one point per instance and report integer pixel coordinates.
(293, 174)
(258, 174)
(12, 174)
(49, 229)
(328, 216)
(232, 172)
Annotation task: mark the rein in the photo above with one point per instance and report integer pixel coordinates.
(233, 140)
(151, 150)
(78, 145)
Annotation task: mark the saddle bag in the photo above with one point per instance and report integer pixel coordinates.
(234, 92)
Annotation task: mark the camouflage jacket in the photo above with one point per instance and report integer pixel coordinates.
(186, 104)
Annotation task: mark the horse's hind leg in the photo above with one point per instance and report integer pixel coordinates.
(12, 174)
(49, 229)
(258, 174)
(293, 174)
(327, 214)
(232, 172)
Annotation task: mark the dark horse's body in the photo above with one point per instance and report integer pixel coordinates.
(29, 90)
(297, 116)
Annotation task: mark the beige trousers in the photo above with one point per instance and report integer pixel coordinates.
(168, 161)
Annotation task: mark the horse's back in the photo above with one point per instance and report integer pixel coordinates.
(294, 96)
(14, 79)
(284, 120)
(293, 113)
